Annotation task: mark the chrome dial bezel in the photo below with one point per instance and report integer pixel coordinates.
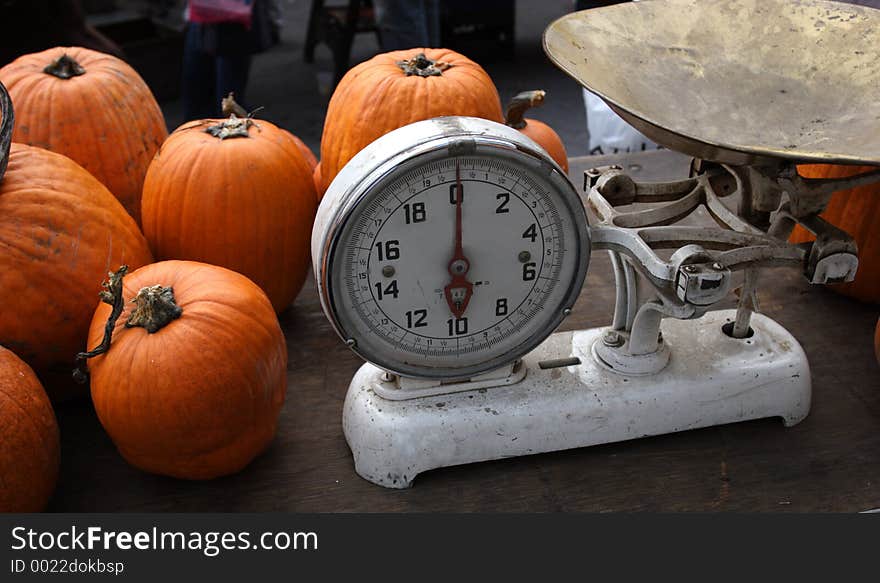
(392, 156)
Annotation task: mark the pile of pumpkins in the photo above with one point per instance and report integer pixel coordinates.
(170, 255)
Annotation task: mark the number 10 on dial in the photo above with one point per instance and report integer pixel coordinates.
(448, 265)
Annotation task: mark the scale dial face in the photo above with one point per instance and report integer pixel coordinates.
(449, 265)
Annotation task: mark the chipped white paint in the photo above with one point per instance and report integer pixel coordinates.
(711, 379)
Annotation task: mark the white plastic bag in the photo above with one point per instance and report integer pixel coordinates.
(609, 134)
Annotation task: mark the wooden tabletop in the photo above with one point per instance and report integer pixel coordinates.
(829, 462)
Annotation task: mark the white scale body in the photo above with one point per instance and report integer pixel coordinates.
(435, 392)
(711, 379)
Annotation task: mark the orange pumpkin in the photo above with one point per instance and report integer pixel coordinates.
(306, 152)
(540, 132)
(234, 193)
(196, 370)
(60, 230)
(316, 177)
(877, 341)
(397, 88)
(91, 107)
(29, 445)
(856, 211)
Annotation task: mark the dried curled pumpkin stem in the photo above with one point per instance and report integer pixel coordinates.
(64, 67)
(154, 308)
(229, 106)
(7, 120)
(422, 66)
(111, 294)
(238, 122)
(232, 127)
(521, 103)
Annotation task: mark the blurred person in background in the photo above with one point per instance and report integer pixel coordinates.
(406, 24)
(220, 39)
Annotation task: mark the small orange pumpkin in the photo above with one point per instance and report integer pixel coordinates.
(91, 107)
(196, 370)
(235, 193)
(397, 88)
(316, 177)
(540, 132)
(856, 211)
(60, 230)
(29, 445)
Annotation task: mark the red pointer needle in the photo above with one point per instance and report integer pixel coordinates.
(458, 292)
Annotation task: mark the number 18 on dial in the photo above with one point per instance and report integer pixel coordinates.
(449, 248)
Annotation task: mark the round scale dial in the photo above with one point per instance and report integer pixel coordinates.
(456, 255)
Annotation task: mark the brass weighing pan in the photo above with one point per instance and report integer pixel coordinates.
(734, 81)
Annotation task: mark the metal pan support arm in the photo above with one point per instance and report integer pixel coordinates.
(668, 263)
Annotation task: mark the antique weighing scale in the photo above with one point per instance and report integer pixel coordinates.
(448, 251)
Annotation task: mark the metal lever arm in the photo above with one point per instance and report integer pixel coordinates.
(660, 217)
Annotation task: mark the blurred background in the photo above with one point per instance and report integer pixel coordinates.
(311, 44)
(504, 36)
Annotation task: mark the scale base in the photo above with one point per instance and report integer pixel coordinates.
(711, 379)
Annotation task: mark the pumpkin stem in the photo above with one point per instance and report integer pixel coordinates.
(154, 308)
(231, 127)
(64, 67)
(7, 120)
(230, 106)
(520, 104)
(111, 294)
(422, 66)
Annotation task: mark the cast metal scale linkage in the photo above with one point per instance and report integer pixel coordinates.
(754, 209)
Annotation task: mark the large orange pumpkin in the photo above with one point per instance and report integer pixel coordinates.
(306, 152)
(196, 370)
(60, 231)
(394, 89)
(234, 193)
(856, 211)
(29, 444)
(540, 132)
(91, 107)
